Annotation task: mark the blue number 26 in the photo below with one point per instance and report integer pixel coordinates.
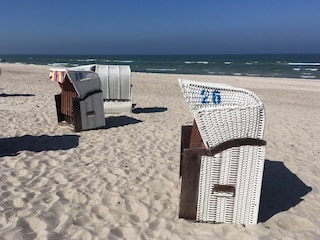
(215, 96)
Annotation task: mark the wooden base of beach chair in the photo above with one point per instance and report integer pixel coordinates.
(190, 159)
(71, 120)
(87, 113)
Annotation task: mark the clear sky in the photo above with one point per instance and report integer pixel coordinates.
(159, 26)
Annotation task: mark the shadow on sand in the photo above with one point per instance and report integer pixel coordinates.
(149, 110)
(281, 190)
(16, 95)
(12, 146)
(120, 121)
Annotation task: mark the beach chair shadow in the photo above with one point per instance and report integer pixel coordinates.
(149, 110)
(16, 95)
(120, 121)
(13, 145)
(281, 190)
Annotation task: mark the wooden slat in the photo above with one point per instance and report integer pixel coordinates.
(195, 139)
(58, 107)
(237, 143)
(67, 94)
(190, 183)
(77, 115)
(185, 142)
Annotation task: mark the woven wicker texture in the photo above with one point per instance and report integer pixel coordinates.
(241, 167)
(223, 112)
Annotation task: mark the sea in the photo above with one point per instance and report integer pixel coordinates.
(302, 66)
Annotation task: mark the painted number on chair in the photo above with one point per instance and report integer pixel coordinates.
(78, 75)
(210, 96)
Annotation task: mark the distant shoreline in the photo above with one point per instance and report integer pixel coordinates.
(300, 66)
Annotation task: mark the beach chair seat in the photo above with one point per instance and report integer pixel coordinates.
(221, 179)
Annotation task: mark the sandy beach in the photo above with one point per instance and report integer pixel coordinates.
(122, 181)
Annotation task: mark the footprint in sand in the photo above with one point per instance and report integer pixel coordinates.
(38, 226)
(60, 178)
(100, 211)
(73, 196)
(158, 225)
(111, 199)
(75, 232)
(138, 210)
(294, 222)
(39, 182)
(23, 172)
(123, 233)
(18, 202)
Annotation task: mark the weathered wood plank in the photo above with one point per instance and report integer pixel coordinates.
(185, 141)
(191, 162)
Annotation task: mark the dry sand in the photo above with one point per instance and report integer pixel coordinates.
(122, 182)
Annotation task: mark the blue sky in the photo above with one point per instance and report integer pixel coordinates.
(159, 26)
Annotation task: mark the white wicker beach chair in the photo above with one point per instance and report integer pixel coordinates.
(231, 124)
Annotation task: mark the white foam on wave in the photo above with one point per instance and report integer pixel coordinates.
(304, 64)
(227, 62)
(87, 60)
(237, 74)
(162, 69)
(123, 61)
(308, 76)
(296, 69)
(58, 64)
(252, 75)
(198, 62)
(312, 69)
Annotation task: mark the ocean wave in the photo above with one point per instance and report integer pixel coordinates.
(311, 69)
(237, 74)
(296, 69)
(252, 75)
(308, 76)
(227, 62)
(162, 69)
(198, 62)
(250, 63)
(58, 64)
(87, 60)
(123, 61)
(304, 64)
